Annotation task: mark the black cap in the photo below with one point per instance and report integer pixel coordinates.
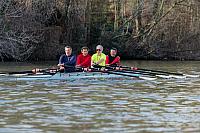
(113, 49)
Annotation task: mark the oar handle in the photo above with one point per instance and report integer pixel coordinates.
(45, 70)
(20, 72)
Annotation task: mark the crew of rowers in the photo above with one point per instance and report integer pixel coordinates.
(68, 61)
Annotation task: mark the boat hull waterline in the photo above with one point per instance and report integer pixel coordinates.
(68, 76)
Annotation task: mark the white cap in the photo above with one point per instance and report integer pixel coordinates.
(99, 47)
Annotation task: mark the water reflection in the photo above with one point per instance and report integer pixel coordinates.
(163, 105)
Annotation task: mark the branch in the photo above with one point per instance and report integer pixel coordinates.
(154, 23)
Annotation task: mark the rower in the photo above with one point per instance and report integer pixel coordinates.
(84, 59)
(99, 58)
(67, 61)
(113, 59)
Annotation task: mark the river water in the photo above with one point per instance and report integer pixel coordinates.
(161, 105)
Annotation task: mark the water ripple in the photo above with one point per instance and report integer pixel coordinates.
(163, 105)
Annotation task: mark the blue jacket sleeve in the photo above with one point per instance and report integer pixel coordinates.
(61, 60)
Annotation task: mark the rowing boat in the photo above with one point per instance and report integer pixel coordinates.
(125, 73)
(68, 76)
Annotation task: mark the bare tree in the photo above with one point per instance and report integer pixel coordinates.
(18, 39)
(140, 28)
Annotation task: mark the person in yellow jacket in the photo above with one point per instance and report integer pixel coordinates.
(99, 58)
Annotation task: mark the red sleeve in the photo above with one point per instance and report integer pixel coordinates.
(107, 59)
(78, 62)
(116, 61)
(87, 62)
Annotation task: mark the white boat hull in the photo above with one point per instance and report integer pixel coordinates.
(67, 76)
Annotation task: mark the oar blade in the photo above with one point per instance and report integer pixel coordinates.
(191, 76)
(147, 78)
(4, 74)
(20, 74)
(177, 76)
(163, 76)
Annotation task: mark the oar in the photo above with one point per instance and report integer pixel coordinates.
(16, 73)
(125, 70)
(113, 70)
(150, 73)
(22, 73)
(160, 73)
(123, 74)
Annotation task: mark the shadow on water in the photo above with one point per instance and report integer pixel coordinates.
(162, 105)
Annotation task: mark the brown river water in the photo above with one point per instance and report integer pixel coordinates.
(101, 106)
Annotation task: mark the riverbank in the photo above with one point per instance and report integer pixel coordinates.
(153, 64)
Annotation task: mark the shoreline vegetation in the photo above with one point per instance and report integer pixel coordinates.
(38, 30)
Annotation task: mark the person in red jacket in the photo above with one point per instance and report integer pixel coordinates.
(112, 59)
(84, 59)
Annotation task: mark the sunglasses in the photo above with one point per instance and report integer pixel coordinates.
(98, 49)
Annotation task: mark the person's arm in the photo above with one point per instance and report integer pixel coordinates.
(78, 62)
(100, 61)
(107, 60)
(60, 62)
(116, 61)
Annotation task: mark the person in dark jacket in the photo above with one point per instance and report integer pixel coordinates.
(113, 59)
(67, 61)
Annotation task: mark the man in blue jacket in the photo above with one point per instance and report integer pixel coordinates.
(67, 61)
